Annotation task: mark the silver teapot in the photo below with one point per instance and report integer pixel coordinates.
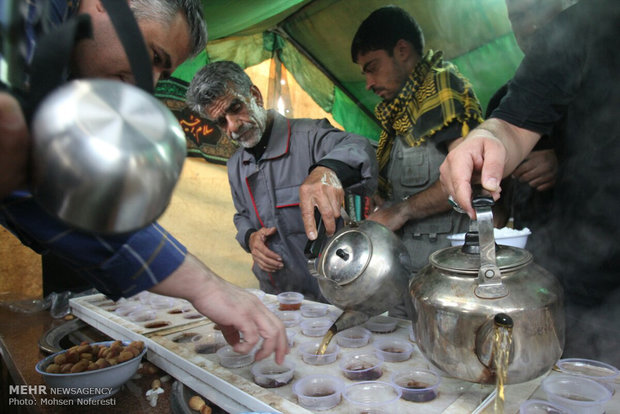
(364, 269)
(457, 296)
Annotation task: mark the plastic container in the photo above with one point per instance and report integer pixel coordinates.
(541, 407)
(161, 302)
(231, 359)
(381, 324)
(315, 327)
(268, 374)
(289, 318)
(143, 297)
(579, 394)
(290, 301)
(411, 333)
(142, 315)
(208, 343)
(127, 308)
(355, 337)
(312, 310)
(598, 371)
(361, 366)
(318, 392)
(290, 337)
(417, 385)
(308, 350)
(393, 349)
(372, 397)
(505, 236)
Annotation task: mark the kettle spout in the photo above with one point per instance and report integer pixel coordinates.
(348, 319)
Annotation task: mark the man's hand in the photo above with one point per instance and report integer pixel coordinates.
(321, 189)
(234, 309)
(14, 145)
(494, 149)
(481, 151)
(539, 169)
(265, 258)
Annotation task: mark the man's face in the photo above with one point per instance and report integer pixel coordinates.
(241, 118)
(104, 56)
(384, 74)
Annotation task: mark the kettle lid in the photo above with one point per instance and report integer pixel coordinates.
(346, 257)
(459, 259)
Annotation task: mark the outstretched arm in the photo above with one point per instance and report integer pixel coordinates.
(231, 307)
(426, 203)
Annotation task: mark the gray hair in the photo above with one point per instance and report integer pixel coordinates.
(215, 80)
(165, 11)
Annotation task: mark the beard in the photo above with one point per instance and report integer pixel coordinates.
(250, 133)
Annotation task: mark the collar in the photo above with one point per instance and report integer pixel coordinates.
(279, 139)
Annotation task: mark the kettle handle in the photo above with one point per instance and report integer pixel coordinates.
(313, 247)
(490, 284)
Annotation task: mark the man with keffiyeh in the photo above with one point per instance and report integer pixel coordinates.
(427, 107)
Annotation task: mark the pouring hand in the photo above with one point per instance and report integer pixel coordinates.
(263, 256)
(235, 310)
(322, 189)
(539, 169)
(480, 151)
(495, 148)
(14, 145)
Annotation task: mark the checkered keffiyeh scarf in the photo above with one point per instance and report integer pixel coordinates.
(434, 96)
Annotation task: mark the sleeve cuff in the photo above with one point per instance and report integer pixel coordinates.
(345, 173)
(246, 239)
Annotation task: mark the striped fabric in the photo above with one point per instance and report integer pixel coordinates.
(434, 96)
(117, 265)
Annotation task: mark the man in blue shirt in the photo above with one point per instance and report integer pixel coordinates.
(151, 258)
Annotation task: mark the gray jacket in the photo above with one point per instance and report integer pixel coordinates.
(266, 193)
(412, 170)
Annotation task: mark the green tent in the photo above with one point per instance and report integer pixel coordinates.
(312, 38)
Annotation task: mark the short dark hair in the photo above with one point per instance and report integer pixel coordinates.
(383, 28)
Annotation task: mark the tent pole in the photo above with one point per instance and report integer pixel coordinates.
(280, 31)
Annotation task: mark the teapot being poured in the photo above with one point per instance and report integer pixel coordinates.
(458, 294)
(362, 269)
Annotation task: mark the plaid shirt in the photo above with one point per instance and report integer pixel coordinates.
(117, 265)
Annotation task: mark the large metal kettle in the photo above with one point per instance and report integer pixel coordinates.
(363, 268)
(457, 296)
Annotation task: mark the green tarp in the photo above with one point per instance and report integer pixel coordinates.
(313, 41)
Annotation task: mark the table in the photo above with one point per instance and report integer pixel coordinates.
(235, 391)
(19, 337)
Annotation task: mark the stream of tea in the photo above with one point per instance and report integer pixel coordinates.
(325, 342)
(502, 341)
